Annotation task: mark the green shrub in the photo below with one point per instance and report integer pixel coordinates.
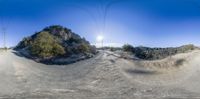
(128, 48)
(44, 46)
(83, 48)
(58, 50)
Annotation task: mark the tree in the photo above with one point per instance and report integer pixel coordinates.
(44, 46)
(128, 48)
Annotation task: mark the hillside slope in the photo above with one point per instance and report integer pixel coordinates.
(55, 44)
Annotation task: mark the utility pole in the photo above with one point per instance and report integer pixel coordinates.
(4, 37)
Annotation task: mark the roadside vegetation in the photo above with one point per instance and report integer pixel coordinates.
(128, 48)
(44, 46)
(148, 53)
(3, 49)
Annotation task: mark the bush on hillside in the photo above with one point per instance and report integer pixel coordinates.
(128, 48)
(45, 46)
(83, 48)
(24, 43)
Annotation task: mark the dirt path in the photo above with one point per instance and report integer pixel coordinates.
(104, 76)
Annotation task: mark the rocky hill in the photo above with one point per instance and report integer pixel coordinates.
(147, 53)
(55, 45)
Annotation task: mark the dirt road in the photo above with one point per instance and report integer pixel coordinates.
(103, 77)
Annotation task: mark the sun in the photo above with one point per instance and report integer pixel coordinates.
(100, 38)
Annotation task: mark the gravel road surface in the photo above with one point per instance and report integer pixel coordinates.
(105, 76)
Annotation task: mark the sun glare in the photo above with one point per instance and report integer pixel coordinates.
(100, 38)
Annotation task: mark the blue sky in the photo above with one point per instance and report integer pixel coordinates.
(154, 23)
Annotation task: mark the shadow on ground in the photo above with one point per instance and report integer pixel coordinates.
(141, 72)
